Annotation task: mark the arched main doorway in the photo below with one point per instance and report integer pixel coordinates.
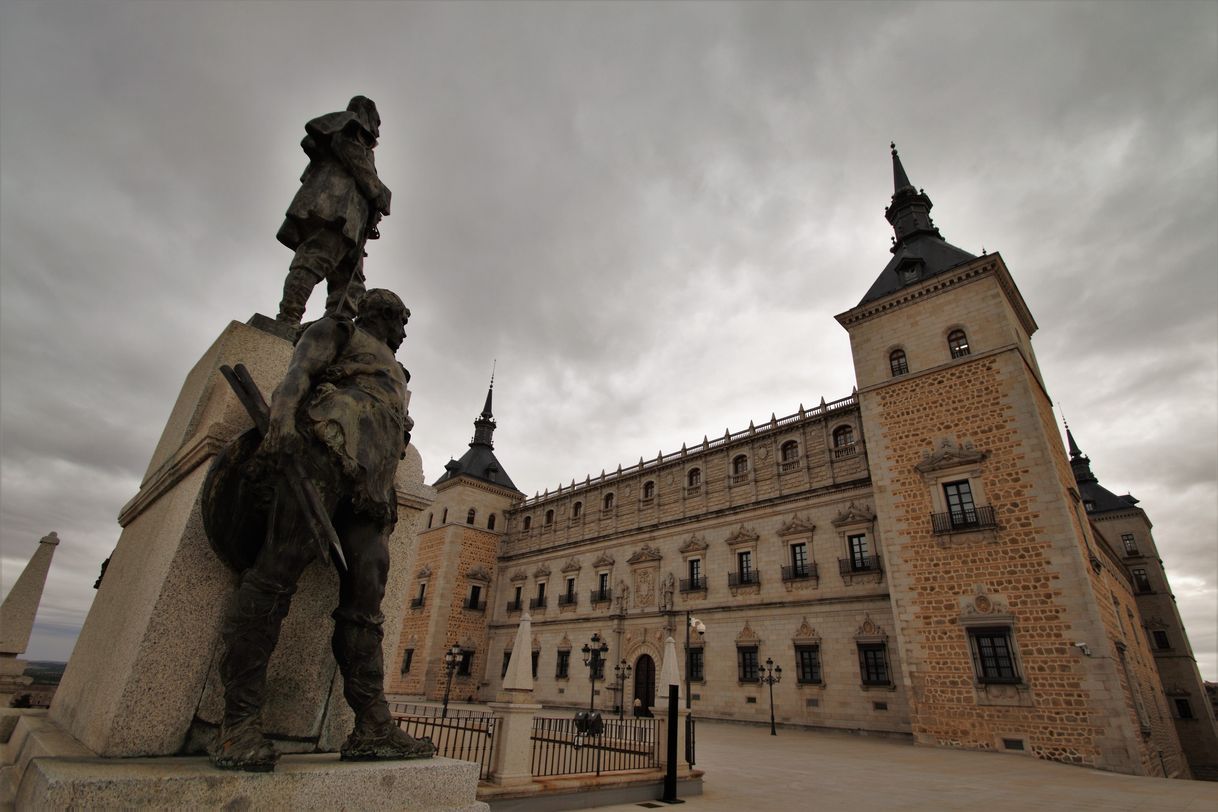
(645, 682)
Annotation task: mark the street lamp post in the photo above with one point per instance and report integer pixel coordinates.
(773, 674)
(691, 624)
(451, 658)
(622, 670)
(594, 654)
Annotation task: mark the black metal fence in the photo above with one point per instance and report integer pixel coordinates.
(979, 517)
(465, 735)
(690, 738)
(559, 748)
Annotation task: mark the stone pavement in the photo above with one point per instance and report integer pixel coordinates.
(747, 768)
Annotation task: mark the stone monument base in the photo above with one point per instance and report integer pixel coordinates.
(43, 767)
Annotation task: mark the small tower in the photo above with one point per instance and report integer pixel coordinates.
(451, 576)
(1002, 599)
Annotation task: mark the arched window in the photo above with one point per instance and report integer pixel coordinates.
(790, 451)
(740, 465)
(608, 501)
(694, 477)
(957, 342)
(469, 517)
(577, 510)
(490, 522)
(444, 517)
(550, 516)
(649, 489)
(843, 436)
(430, 516)
(898, 363)
(528, 522)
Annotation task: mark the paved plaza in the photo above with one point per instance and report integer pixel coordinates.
(747, 768)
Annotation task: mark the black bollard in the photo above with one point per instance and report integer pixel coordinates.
(670, 775)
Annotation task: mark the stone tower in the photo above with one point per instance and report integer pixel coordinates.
(1010, 614)
(1126, 528)
(453, 571)
(17, 617)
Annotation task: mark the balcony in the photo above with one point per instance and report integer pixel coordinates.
(537, 603)
(416, 603)
(693, 584)
(788, 466)
(513, 606)
(745, 578)
(799, 572)
(740, 479)
(568, 600)
(474, 606)
(602, 595)
(964, 520)
(844, 451)
(859, 565)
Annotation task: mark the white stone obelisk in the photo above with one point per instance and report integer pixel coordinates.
(17, 618)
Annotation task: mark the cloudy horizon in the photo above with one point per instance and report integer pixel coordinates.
(646, 215)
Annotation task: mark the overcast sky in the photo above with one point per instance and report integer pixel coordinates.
(649, 214)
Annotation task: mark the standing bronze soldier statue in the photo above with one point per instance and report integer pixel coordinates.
(339, 421)
(336, 210)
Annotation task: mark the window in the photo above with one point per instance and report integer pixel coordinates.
(993, 660)
(475, 596)
(602, 582)
(444, 517)
(528, 522)
(507, 659)
(1088, 505)
(608, 502)
(1183, 709)
(843, 436)
(571, 588)
(799, 560)
(514, 604)
(740, 465)
(430, 516)
(744, 567)
(562, 667)
(1161, 641)
(540, 601)
(466, 663)
(469, 517)
(746, 660)
(490, 522)
(549, 517)
(407, 657)
(649, 490)
(859, 560)
(898, 363)
(1131, 546)
(417, 601)
(577, 510)
(695, 573)
(694, 477)
(960, 505)
(789, 451)
(873, 663)
(957, 342)
(696, 669)
(536, 657)
(807, 664)
(1141, 581)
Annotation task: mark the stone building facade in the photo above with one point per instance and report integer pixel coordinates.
(917, 556)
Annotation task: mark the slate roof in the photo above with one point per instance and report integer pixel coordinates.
(480, 461)
(1089, 488)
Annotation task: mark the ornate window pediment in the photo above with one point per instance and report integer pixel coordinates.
(870, 632)
(854, 514)
(479, 572)
(984, 606)
(747, 636)
(797, 526)
(542, 571)
(949, 454)
(424, 571)
(742, 535)
(694, 544)
(603, 560)
(805, 634)
(644, 554)
(572, 565)
(565, 643)
(519, 575)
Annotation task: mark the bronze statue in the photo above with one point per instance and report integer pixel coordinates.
(338, 419)
(335, 212)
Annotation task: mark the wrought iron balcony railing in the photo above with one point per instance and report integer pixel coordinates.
(475, 606)
(857, 564)
(980, 517)
(797, 572)
(415, 603)
(602, 595)
(513, 606)
(693, 584)
(746, 578)
(537, 603)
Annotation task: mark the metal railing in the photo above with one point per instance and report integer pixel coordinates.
(866, 563)
(465, 735)
(568, 600)
(537, 603)
(475, 606)
(415, 603)
(693, 584)
(602, 595)
(746, 578)
(980, 517)
(513, 606)
(844, 451)
(559, 748)
(793, 572)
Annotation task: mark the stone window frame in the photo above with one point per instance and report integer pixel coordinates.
(490, 522)
(998, 628)
(695, 548)
(744, 539)
(898, 362)
(647, 493)
(843, 439)
(444, 517)
(577, 511)
(608, 502)
(787, 465)
(407, 658)
(739, 473)
(1130, 545)
(697, 652)
(1182, 709)
(548, 519)
(986, 609)
(800, 530)
(1160, 640)
(562, 663)
(955, 462)
(872, 637)
(807, 637)
(747, 640)
(956, 339)
(694, 480)
(853, 521)
(423, 577)
(526, 524)
(471, 516)
(469, 657)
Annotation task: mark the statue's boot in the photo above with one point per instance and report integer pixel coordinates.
(251, 631)
(242, 746)
(297, 289)
(357, 649)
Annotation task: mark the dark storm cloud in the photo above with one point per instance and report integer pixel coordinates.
(649, 214)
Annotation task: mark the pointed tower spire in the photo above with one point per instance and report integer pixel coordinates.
(1080, 463)
(909, 212)
(484, 426)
